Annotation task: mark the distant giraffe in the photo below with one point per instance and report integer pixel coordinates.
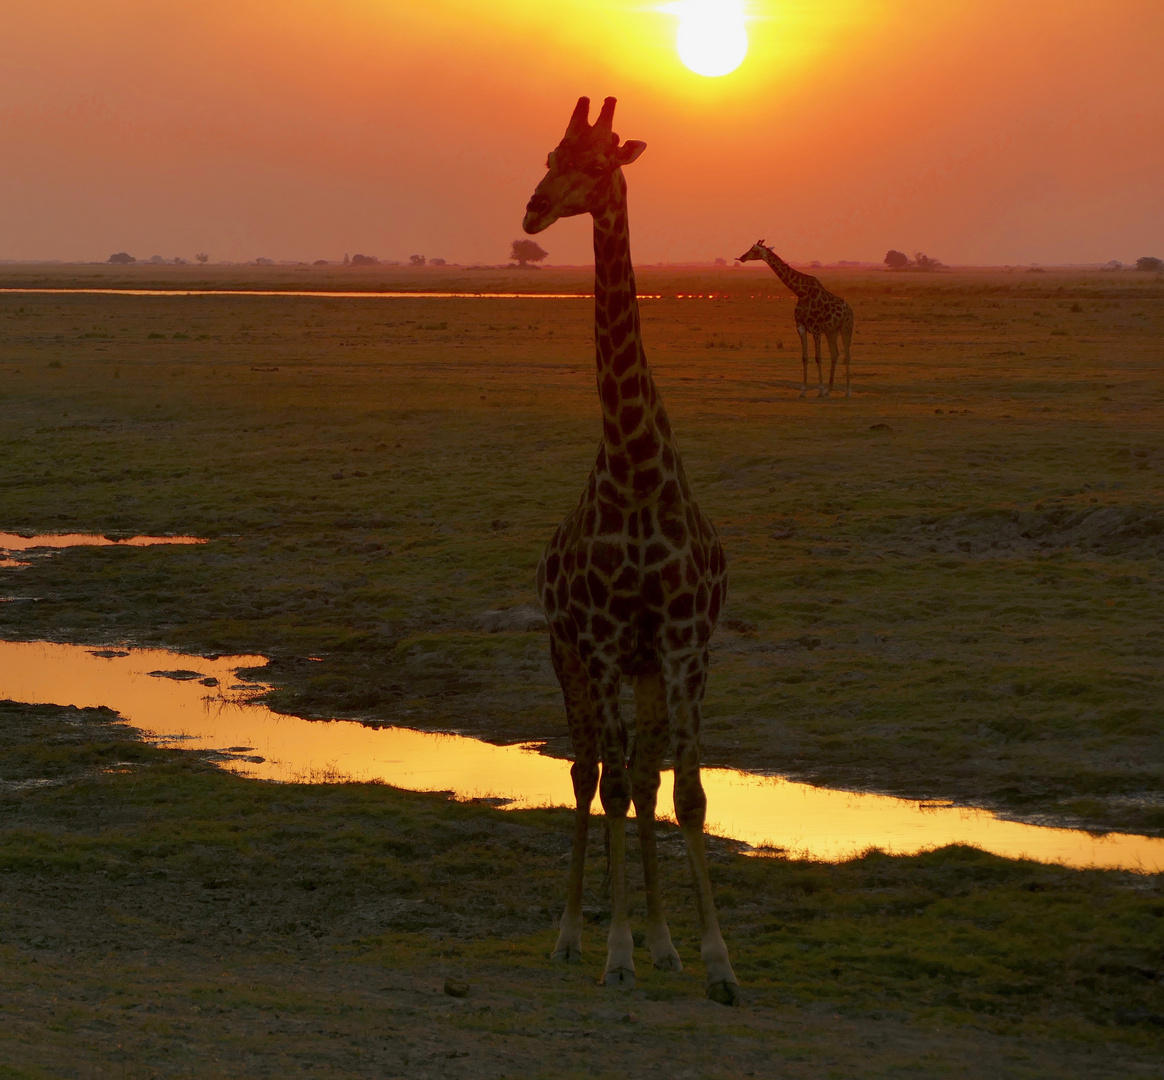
(818, 312)
(632, 583)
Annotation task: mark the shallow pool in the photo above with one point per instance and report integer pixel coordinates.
(16, 542)
(189, 701)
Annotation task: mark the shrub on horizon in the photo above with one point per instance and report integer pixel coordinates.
(921, 261)
(527, 251)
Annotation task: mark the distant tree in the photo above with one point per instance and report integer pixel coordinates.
(320, 262)
(1148, 262)
(264, 262)
(721, 262)
(921, 261)
(417, 260)
(365, 260)
(896, 260)
(122, 258)
(437, 262)
(347, 259)
(527, 251)
(202, 257)
(1114, 264)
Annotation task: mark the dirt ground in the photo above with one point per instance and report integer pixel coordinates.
(160, 918)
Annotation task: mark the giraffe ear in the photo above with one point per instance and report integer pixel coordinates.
(628, 152)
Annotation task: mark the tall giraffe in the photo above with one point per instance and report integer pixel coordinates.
(818, 312)
(632, 583)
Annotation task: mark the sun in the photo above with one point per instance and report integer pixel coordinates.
(712, 38)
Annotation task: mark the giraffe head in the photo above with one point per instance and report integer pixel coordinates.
(580, 168)
(756, 251)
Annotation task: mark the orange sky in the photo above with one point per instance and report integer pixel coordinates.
(979, 131)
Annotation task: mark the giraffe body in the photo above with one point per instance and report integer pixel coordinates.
(818, 312)
(632, 583)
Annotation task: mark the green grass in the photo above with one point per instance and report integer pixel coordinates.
(373, 483)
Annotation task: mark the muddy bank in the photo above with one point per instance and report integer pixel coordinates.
(164, 914)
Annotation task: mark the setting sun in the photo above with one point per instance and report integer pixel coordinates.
(712, 38)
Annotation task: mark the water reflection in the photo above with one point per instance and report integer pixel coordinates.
(16, 542)
(324, 294)
(816, 822)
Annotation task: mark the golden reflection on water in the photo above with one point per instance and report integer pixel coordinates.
(16, 542)
(819, 823)
(402, 294)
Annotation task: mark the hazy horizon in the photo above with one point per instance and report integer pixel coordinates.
(502, 264)
(984, 133)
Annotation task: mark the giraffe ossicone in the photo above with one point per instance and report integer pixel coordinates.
(632, 584)
(818, 311)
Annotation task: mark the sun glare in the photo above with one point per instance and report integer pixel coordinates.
(712, 38)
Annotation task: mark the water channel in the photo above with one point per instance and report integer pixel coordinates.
(16, 542)
(402, 294)
(193, 702)
(48, 542)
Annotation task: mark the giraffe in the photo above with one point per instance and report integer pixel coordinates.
(632, 583)
(818, 312)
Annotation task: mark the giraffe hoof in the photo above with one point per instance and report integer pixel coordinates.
(620, 978)
(571, 954)
(724, 992)
(670, 962)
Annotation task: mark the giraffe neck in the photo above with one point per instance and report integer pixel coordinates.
(636, 434)
(799, 283)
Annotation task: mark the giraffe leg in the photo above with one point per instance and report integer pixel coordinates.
(803, 358)
(614, 790)
(820, 390)
(651, 734)
(831, 338)
(846, 341)
(568, 948)
(584, 773)
(686, 677)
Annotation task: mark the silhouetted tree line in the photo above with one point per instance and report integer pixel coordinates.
(898, 260)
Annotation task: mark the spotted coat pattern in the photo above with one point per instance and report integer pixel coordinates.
(818, 311)
(632, 582)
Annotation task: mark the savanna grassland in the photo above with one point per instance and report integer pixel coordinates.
(947, 586)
